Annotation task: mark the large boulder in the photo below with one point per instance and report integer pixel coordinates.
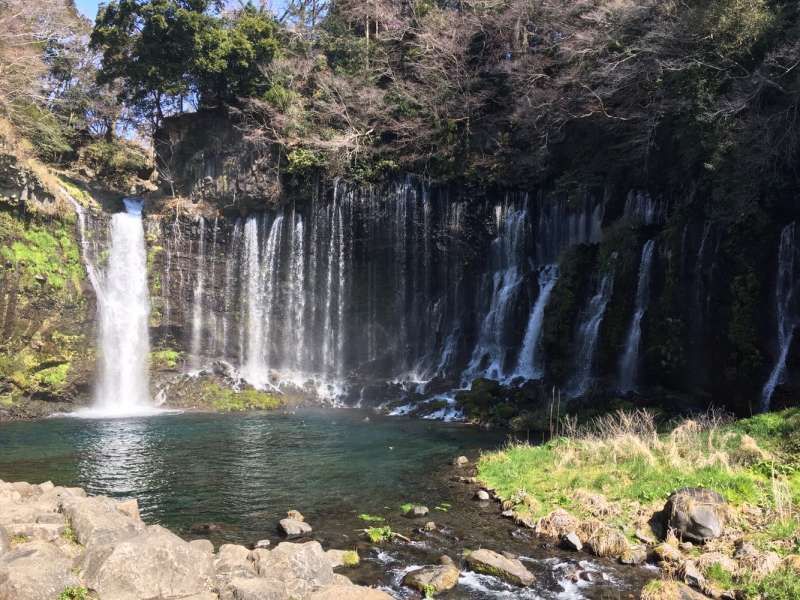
(696, 514)
(234, 561)
(153, 563)
(98, 521)
(35, 571)
(301, 567)
(492, 563)
(258, 588)
(292, 528)
(435, 578)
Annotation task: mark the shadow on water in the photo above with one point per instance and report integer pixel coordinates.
(242, 472)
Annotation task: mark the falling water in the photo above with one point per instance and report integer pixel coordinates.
(529, 363)
(588, 334)
(784, 310)
(629, 363)
(197, 300)
(124, 309)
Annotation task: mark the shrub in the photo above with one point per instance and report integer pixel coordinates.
(74, 593)
(377, 535)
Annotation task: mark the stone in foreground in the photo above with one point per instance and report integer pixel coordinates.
(571, 541)
(35, 571)
(696, 514)
(348, 592)
(492, 563)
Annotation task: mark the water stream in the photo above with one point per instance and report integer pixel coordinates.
(629, 362)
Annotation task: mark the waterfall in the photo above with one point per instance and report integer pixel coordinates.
(785, 313)
(641, 206)
(588, 333)
(197, 299)
(529, 363)
(124, 309)
(501, 286)
(629, 363)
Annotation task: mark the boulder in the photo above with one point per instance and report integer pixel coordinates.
(234, 561)
(38, 531)
(492, 563)
(696, 514)
(691, 574)
(301, 567)
(483, 495)
(460, 461)
(436, 579)
(294, 528)
(634, 555)
(296, 515)
(203, 546)
(263, 544)
(130, 508)
(429, 526)
(571, 541)
(348, 592)
(97, 521)
(153, 563)
(254, 588)
(35, 571)
(667, 553)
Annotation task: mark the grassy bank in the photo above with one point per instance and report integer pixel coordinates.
(622, 468)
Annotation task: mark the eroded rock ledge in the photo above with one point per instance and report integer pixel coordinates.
(57, 542)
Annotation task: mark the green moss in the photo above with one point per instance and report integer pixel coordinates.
(377, 535)
(228, 400)
(74, 593)
(53, 377)
(165, 359)
(371, 518)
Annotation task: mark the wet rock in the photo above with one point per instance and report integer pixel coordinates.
(154, 563)
(482, 495)
(434, 579)
(525, 520)
(293, 528)
(468, 480)
(202, 546)
(492, 563)
(557, 524)
(420, 511)
(460, 461)
(97, 521)
(571, 541)
(429, 526)
(35, 571)
(508, 514)
(348, 592)
(206, 528)
(691, 575)
(262, 544)
(634, 555)
(696, 514)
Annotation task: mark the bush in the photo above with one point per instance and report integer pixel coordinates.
(116, 160)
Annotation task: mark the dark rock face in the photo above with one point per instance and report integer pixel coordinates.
(696, 514)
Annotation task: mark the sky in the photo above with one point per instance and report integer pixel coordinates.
(87, 7)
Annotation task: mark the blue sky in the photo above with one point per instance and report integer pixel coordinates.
(88, 7)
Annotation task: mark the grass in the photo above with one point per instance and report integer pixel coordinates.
(371, 518)
(228, 400)
(626, 459)
(376, 535)
(165, 359)
(69, 535)
(74, 593)
(350, 559)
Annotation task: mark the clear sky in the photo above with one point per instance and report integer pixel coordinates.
(88, 7)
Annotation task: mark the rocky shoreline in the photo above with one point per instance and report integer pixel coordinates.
(58, 543)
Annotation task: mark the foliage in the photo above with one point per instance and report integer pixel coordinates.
(165, 359)
(371, 518)
(116, 159)
(407, 507)
(783, 584)
(74, 593)
(377, 535)
(350, 559)
(228, 400)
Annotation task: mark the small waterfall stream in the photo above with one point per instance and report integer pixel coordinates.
(785, 313)
(124, 309)
(629, 362)
(588, 333)
(529, 362)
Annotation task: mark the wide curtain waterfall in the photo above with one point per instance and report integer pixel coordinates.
(371, 286)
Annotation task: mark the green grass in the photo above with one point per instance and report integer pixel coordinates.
(228, 400)
(646, 468)
(783, 584)
(371, 518)
(165, 359)
(722, 577)
(350, 559)
(377, 535)
(74, 593)
(407, 507)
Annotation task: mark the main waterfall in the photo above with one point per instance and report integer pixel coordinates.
(123, 300)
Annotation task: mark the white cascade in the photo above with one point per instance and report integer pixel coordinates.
(529, 363)
(124, 310)
(588, 334)
(786, 317)
(197, 299)
(629, 362)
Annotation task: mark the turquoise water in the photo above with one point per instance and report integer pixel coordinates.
(242, 472)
